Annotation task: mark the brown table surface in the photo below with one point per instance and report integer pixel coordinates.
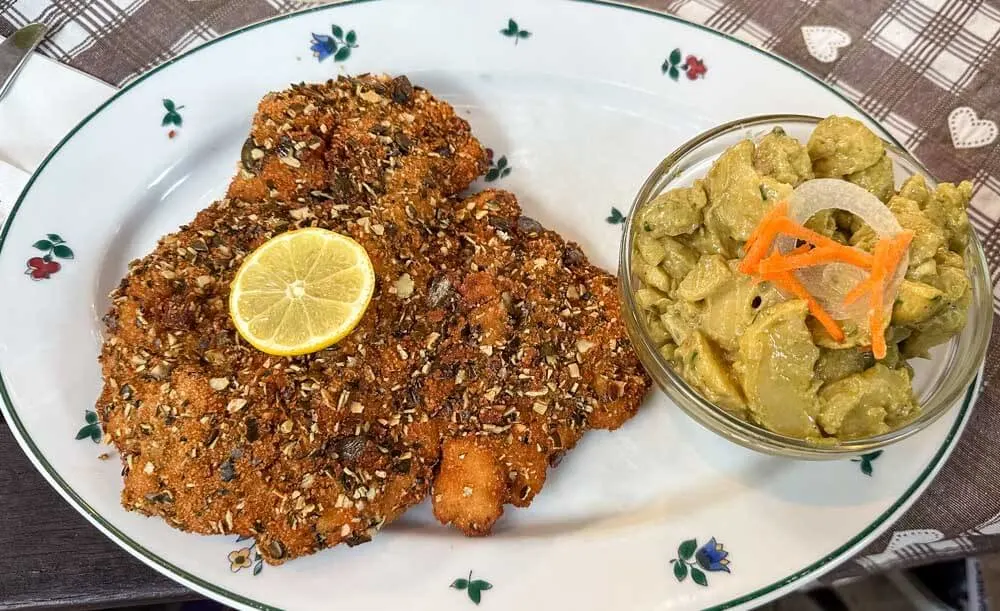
(51, 558)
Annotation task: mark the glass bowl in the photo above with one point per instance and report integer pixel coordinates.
(939, 382)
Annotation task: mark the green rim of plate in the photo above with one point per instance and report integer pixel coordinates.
(196, 582)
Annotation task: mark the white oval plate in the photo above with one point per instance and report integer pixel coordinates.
(580, 100)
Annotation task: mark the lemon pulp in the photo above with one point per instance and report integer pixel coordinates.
(301, 291)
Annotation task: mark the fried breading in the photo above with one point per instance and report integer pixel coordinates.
(308, 452)
(539, 340)
(489, 347)
(362, 139)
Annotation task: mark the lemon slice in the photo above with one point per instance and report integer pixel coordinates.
(301, 291)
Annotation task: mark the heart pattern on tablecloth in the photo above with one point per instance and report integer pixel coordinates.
(968, 131)
(906, 538)
(824, 42)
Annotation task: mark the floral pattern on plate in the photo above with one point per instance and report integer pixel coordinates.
(498, 169)
(694, 561)
(92, 429)
(693, 67)
(473, 587)
(866, 461)
(172, 117)
(246, 557)
(616, 217)
(514, 31)
(54, 247)
(337, 44)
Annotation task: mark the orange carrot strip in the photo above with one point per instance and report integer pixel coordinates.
(790, 228)
(761, 238)
(797, 230)
(826, 320)
(879, 349)
(799, 250)
(790, 283)
(816, 256)
(759, 249)
(776, 259)
(770, 227)
(888, 253)
(778, 256)
(899, 244)
(779, 209)
(883, 252)
(778, 267)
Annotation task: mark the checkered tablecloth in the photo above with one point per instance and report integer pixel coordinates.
(929, 70)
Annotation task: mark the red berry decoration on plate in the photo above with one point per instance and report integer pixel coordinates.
(694, 67)
(54, 247)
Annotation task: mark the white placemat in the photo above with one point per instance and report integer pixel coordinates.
(12, 180)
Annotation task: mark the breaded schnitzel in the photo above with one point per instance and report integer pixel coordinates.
(308, 452)
(543, 353)
(468, 335)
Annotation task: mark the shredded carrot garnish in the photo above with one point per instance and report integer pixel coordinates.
(879, 349)
(899, 245)
(775, 223)
(888, 253)
(815, 256)
(761, 238)
(882, 252)
(767, 264)
(818, 249)
(777, 210)
(790, 283)
(790, 228)
(757, 251)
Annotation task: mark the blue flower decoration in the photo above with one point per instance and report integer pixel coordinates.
(323, 46)
(712, 556)
(337, 44)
